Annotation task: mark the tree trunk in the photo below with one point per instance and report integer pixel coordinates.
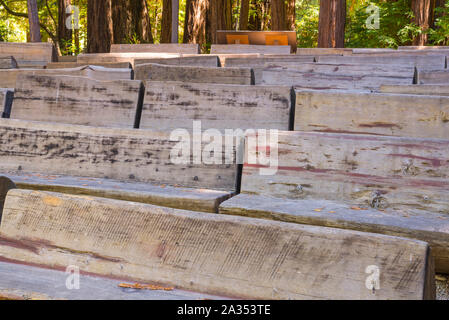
(166, 21)
(331, 29)
(220, 17)
(64, 33)
(278, 15)
(291, 15)
(195, 22)
(33, 17)
(244, 15)
(99, 26)
(423, 11)
(131, 21)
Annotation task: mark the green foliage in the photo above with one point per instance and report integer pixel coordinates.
(440, 35)
(307, 17)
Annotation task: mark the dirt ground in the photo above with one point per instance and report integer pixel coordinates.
(442, 284)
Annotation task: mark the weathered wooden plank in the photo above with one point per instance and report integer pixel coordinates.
(365, 170)
(66, 59)
(120, 154)
(6, 184)
(172, 105)
(8, 78)
(193, 61)
(323, 51)
(69, 65)
(433, 77)
(98, 58)
(159, 72)
(243, 48)
(8, 62)
(164, 245)
(42, 51)
(373, 113)
(78, 100)
(423, 48)
(158, 194)
(261, 61)
(6, 98)
(333, 76)
(424, 62)
(222, 57)
(431, 90)
(189, 48)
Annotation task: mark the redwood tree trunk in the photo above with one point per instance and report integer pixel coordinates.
(64, 33)
(33, 17)
(423, 11)
(331, 29)
(220, 17)
(166, 21)
(131, 21)
(291, 15)
(244, 15)
(99, 26)
(278, 15)
(195, 22)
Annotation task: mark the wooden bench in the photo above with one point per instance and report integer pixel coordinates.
(433, 77)
(8, 78)
(312, 75)
(430, 90)
(8, 62)
(6, 98)
(171, 105)
(135, 165)
(99, 58)
(78, 100)
(246, 258)
(186, 48)
(260, 61)
(242, 48)
(189, 74)
(70, 65)
(423, 62)
(204, 60)
(372, 113)
(389, 185)
(323, 51)
(29, 54)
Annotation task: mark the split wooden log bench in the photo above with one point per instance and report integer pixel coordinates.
(261, 60)
(243, 48)
(29, 55)
(389, 185)
(78, 100)
(431, 90)
(221, 255)
(118, 163)
(308, 75)
(6, 98)
(203, 60)
(98, 58)
(8, 78)
(190, 74)
(422, 62)
(172, 105)
(323, 51)
(70, 65)
(433, 77)
(8, 62)
(185, 48)
(372, 113)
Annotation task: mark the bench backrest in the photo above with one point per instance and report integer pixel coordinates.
(69, 65)
(188, 74)
(261, 60)
(98, 58)
(363, 170)
(157, 48)
(7, 62)
(78, 100)
(171, 105)
(204, 60)
(26, 52)
(127, 155)
(433, 77)
(372, 113)
(430, 90)
(248, 48)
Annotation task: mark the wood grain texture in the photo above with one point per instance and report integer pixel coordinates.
(6, 98)
(172, 105)
(335, 76)
(70, 65)
(42, 51)
(189, 74)
(96, 58)
(6, 184)
(189, 48)
(323, 51)
(77, 100)
(424, 62)
(425, 226)
(262, 60)
(8, 78)
(193, 61)
(384, 114)
(433, 77)
(109, 153)
(8, 62)
(365, 170)
(243, 48)
(221, 255)
(430, 90)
